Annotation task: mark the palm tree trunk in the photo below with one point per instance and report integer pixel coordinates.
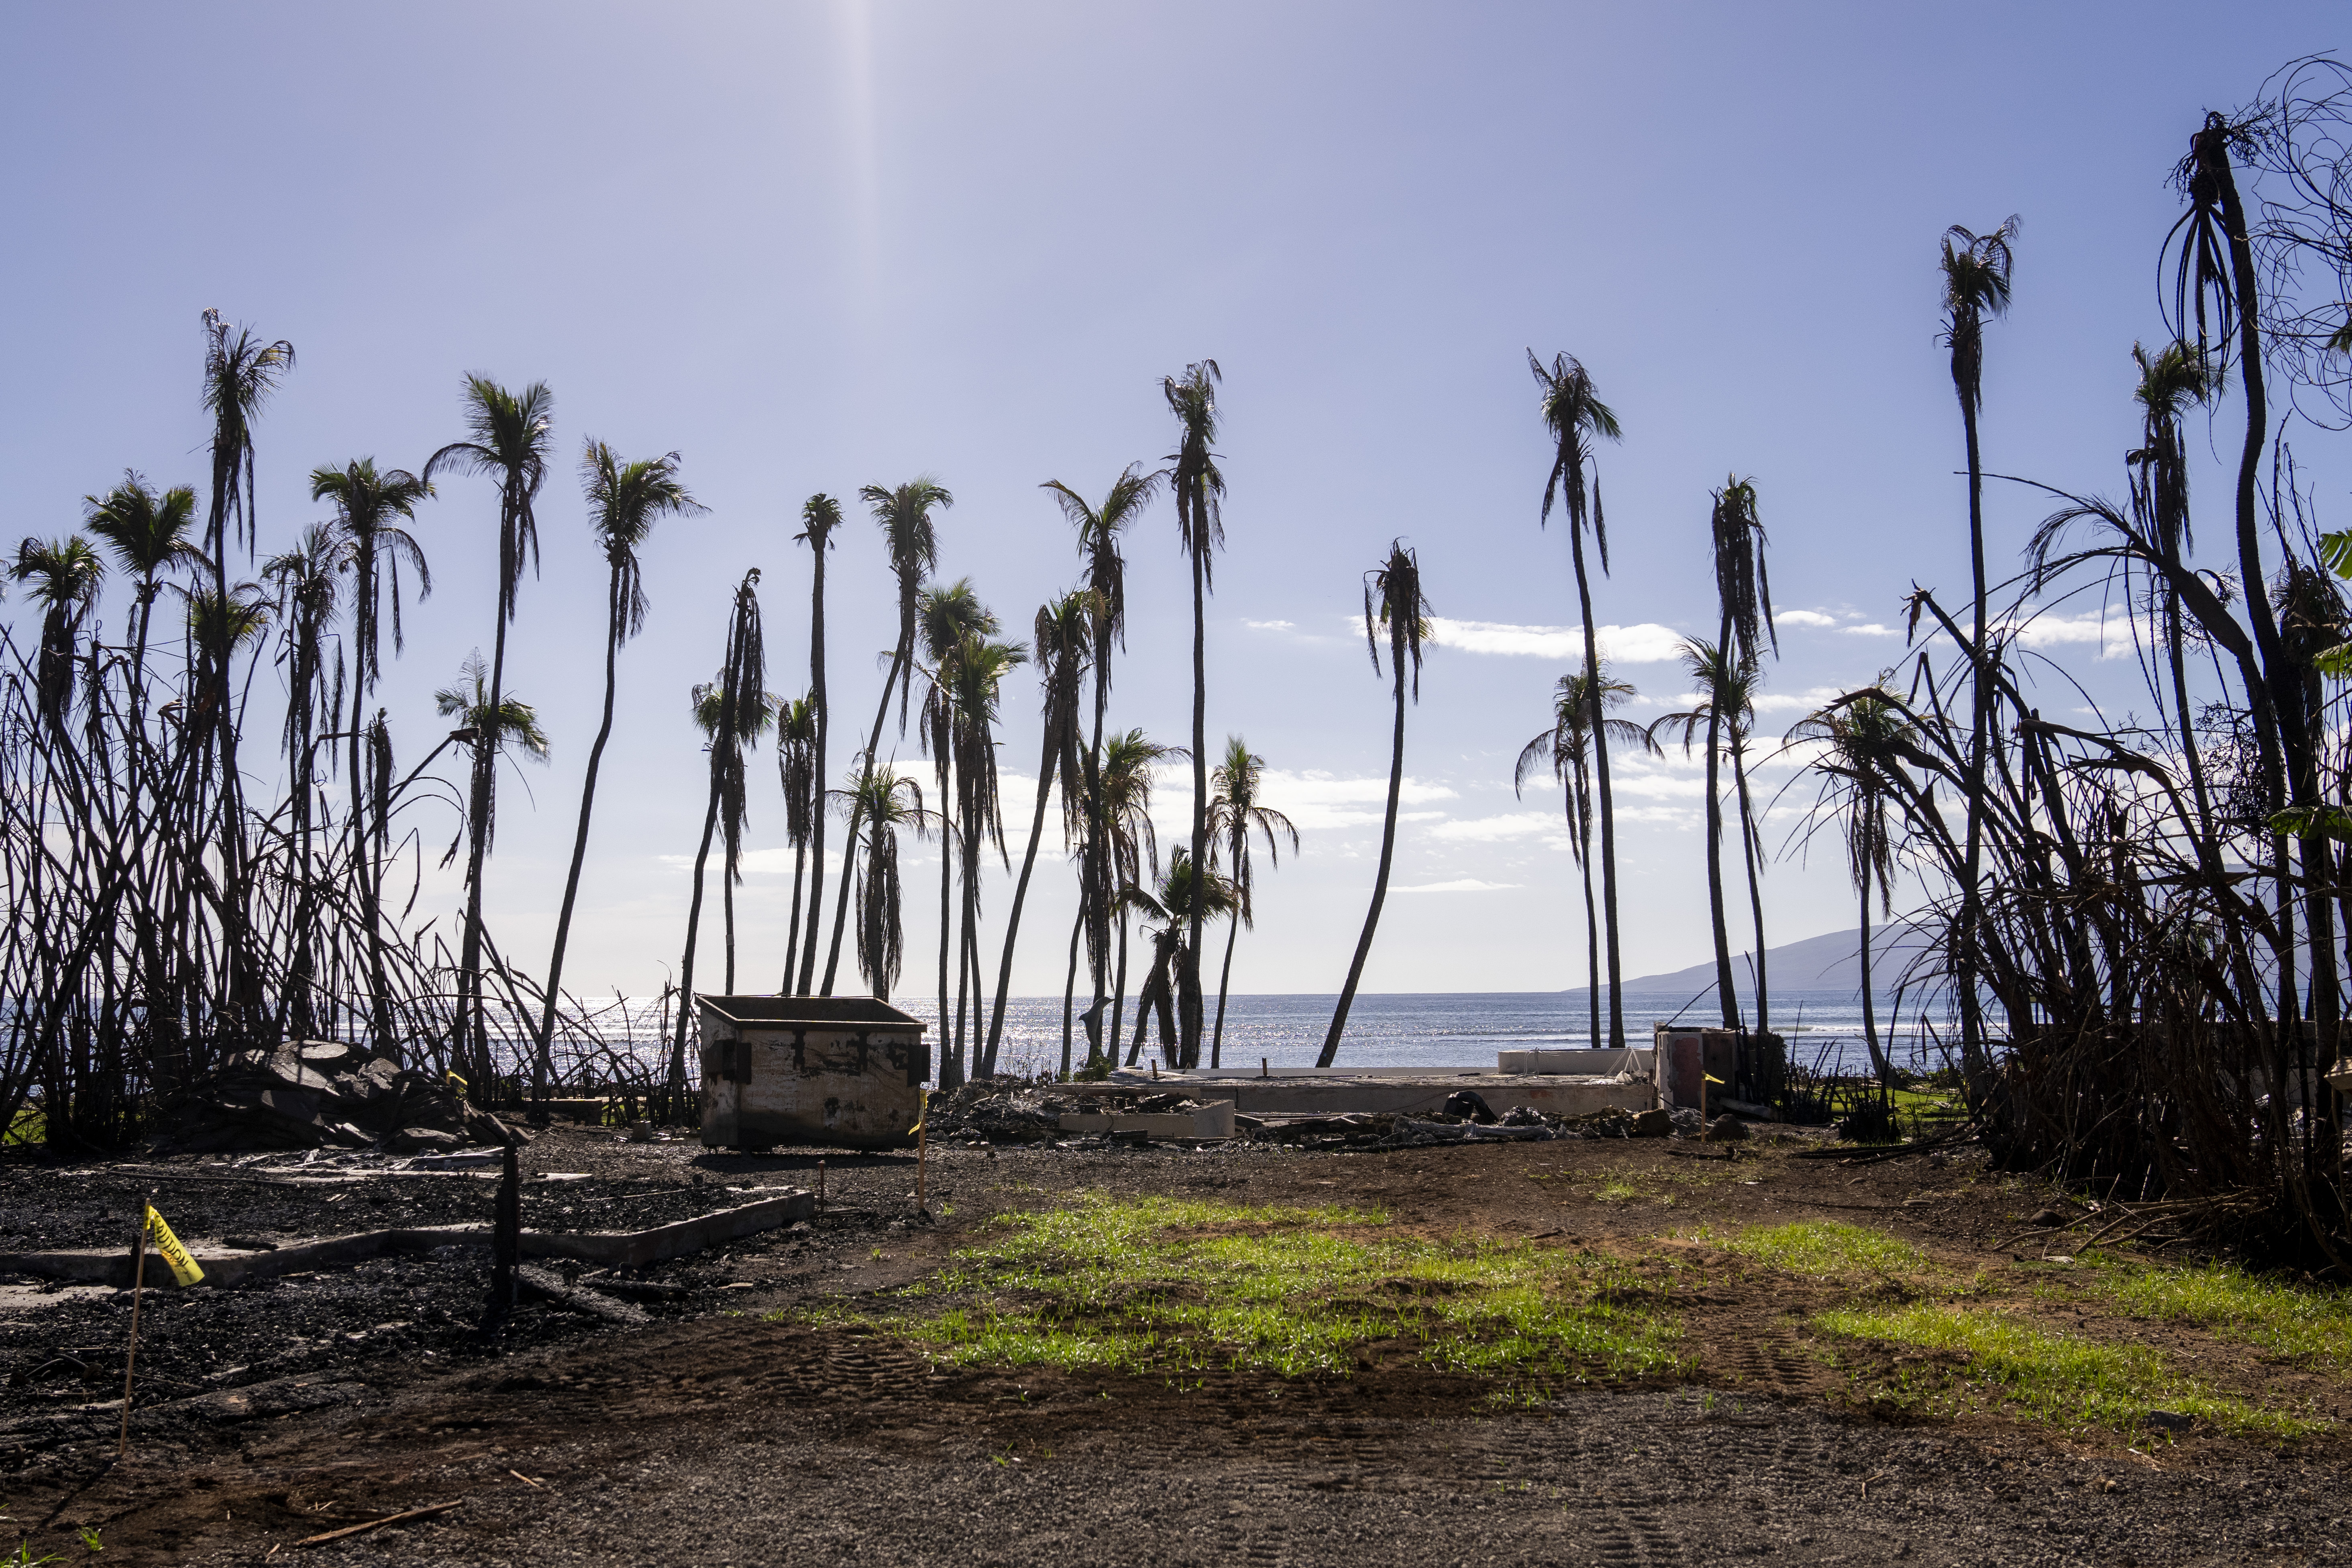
(1726, 991)
(675, 1093)
(793, 931)
(1189, 994)
(545, 1044)
(1599, 721)
(1012, 921)
(1878, 1063)
(951, 1045)
(1119, 993)
(1070, 993)
(898, 661)
(807, 961)
(1972, 1042)
(727, 904)
(1581, 824)
(1225, 980)
(1099, 865)
(1388, 853)
(1752, 853)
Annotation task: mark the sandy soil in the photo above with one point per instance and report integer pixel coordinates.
(717, 1435)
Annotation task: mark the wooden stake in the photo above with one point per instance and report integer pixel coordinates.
(130, 1353)
(820, 1183)
(922, 1138)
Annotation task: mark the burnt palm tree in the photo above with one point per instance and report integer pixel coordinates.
(945, 618)
(1576, 418)
(910, 535)
(1393, 602)
(147, 534)
(1200, 489)
(625, 501)
(1128, 764)
(1233, 814)
(820, 516)
(240, 372)
(370, 507)
(797, 734)
(308, 578)
(1566, 749)
(1976, 285)
(508, 436)
(1099, 528)
(65, 574)
(1725, 683)
(2172, 382)
(1064, 633)
(978, 666)
(1179, 904)
(1861, 737)
(883, 803)
(731, 711)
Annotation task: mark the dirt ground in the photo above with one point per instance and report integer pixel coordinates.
(726, 1431)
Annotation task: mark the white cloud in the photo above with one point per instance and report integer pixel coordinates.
(1463, 885)
(1870, 628)
(1488, 829)
(2110, 635)
(1672, 816)
(1657, 787)
(1270, 625)
(1803, 618)
(1646, 643)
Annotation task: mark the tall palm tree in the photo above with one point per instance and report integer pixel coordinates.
(147, 534)
(1861, 736)
(981, 666)
(625, 501)
(1976, 270)
(1392, 601)
(1576, 418)
(65, 574)
(491, 723)
(1200, 489)
(731, 711)
(884, 802)
(509, 435)
(1179, 904)
(1063, 632)
(240, 372)
(370, 508)
(1566, 749)
(820, 516)
(910, 535)
(1099, 528)
(1743, 591)
(1128, 763)
(2172, 382)
(796, 735)
(307, 578)
(1726, 681)
(1233, 814)
(945, 618)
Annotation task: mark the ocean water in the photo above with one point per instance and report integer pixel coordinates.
(1457, 1029)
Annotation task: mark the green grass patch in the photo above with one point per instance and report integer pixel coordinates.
(1160, 1285)
(1616, 1190)
(29, 1130)
(2296, 1322)
(2062, 1378)
(1830, 1249)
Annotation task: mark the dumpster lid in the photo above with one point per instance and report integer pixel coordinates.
(834, 1012)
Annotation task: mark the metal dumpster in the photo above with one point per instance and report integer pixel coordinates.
(847, 1072)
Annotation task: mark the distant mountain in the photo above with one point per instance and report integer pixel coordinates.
(1827, 963)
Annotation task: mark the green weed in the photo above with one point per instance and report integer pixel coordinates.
(1174, 1287)
(2062, 1378)
(2301, 1323)
(1832, 1251)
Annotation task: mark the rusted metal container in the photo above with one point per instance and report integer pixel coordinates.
(847, 1072)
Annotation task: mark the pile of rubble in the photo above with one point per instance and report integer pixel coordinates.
(997, 1111)
(315, 1094)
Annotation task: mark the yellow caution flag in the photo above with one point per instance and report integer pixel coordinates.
(922, 1114)
(183, 1266)
(463, 1087)
(1711, 1077)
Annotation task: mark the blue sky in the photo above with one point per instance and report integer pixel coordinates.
(815, 247)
